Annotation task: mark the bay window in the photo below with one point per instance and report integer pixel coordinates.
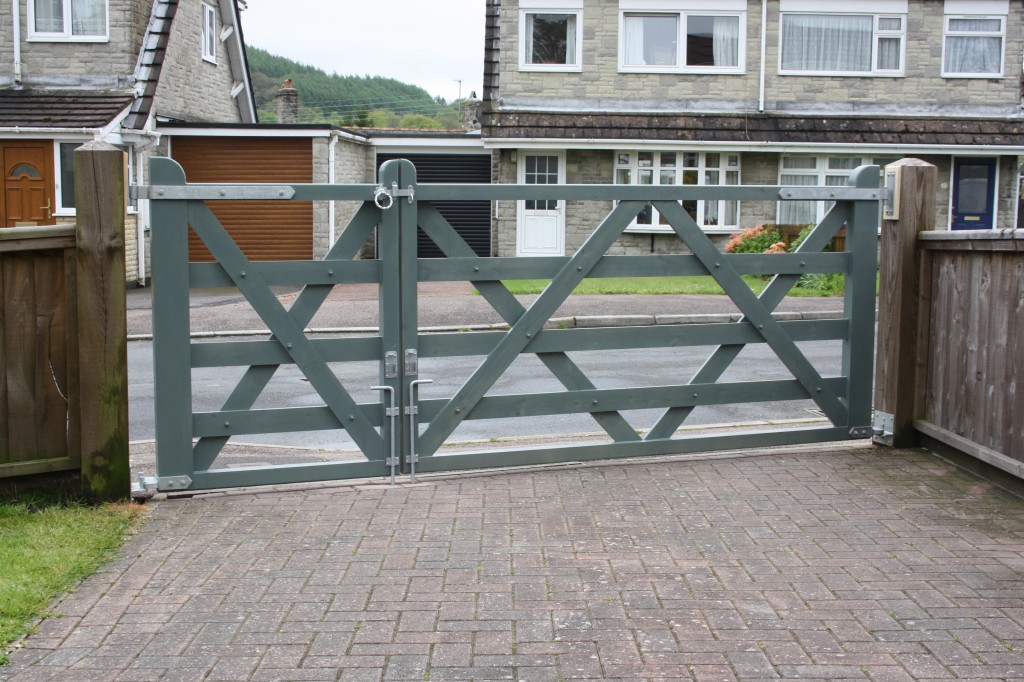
(842, 44)
(973, 46)
(681, 41)
(550, 37)
(77, 20)
(681, 168)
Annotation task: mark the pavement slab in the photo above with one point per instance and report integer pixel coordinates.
(830, 562)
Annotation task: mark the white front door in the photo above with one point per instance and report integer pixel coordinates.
(541, 224)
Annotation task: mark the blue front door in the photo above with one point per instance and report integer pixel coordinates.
(974, 184)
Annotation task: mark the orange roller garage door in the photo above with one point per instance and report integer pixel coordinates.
(264, 230)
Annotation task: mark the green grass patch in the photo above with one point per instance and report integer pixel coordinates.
(47, 545)
(668, 285)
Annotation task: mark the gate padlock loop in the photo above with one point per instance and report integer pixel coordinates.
(382, 198)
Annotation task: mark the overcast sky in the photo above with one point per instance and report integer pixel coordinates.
(430, 43)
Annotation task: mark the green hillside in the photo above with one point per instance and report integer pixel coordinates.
(345, 100)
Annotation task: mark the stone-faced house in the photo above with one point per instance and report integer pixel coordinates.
(80, 70)
(793, 92)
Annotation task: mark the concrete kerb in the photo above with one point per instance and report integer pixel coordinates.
(581, 322)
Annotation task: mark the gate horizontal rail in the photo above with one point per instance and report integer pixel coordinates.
(408, 435)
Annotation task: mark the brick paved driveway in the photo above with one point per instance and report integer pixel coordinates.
(831, 563)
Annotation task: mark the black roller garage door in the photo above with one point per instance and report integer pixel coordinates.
(471, 219)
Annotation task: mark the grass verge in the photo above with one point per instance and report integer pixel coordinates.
(658, 285)
(48, 543)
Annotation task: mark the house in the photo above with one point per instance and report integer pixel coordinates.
(80, 70)
(791, 92)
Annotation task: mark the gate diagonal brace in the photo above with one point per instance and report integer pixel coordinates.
(510, 310)
(770, 297)
(291, 337)
(302, 310)
(520, 334)
(754, 310)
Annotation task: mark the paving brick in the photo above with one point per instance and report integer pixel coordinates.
(827, 564)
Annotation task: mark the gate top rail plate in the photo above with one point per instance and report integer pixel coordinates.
(205, 192)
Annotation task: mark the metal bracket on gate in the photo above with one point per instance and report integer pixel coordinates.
(173, 482)
(384, 198)
(391, 413)
(412, 410)
(391, 365)
(412, 364)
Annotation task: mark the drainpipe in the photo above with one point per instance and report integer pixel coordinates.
(330, 180)
(16, 14)
(764, 52)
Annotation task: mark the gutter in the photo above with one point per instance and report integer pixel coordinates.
(762, 146)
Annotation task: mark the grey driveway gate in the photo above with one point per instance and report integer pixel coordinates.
(401, 433)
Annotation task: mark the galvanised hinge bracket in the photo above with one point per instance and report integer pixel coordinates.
(173, 482)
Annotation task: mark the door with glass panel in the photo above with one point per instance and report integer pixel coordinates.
(974, 181)
(27, 196)
(541, 225)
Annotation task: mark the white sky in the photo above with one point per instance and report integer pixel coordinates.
(430, 43)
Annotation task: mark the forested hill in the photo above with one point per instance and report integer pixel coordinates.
(345, 100)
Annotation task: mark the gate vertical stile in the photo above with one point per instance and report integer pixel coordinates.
(408, 267)
(172, 376)
(859, 302)
(389, 305)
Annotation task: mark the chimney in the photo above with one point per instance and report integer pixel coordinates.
(471, 113)
(287, 103)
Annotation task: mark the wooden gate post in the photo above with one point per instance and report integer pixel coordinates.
(100, 198)
(901, 281)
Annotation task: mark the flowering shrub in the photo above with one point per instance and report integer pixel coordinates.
(758, 239)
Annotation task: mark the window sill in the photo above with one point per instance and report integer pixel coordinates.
(550, 68)
(845, 74)
(976, 76)
(67, 39)
(209, 60)
(651, 229)
(675, 70)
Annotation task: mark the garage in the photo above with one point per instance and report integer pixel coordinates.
(471, 219)
(264, 230)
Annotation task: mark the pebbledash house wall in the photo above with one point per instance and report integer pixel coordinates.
(600, 87)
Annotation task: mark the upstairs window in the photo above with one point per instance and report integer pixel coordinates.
(842, 44)
(209, 33)
(682, 41)
(973, 46)
(550, 39)
(75, 20)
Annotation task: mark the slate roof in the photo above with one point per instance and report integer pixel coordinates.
(60, 109)
(754, 128)
(151, 60)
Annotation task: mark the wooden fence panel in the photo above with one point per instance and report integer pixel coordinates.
(34, 358)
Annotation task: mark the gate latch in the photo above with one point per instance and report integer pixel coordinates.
(384, 198)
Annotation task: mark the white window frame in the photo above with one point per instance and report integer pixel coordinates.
(208, 33)
(702, 168)
(877, 34)
(1001, 34)
(524, 63)
(682, 17)
(821, 172)
(66, 35)
(58, 198)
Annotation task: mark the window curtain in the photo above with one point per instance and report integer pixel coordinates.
(798, 212)
(634, 47)
(826, 42)
(726, 41)
(570, 40)
(49, 16)
(973, 54)
(88, 17)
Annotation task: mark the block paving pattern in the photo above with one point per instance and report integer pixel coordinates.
(829, 563)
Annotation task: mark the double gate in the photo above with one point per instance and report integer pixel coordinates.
(398, 433)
